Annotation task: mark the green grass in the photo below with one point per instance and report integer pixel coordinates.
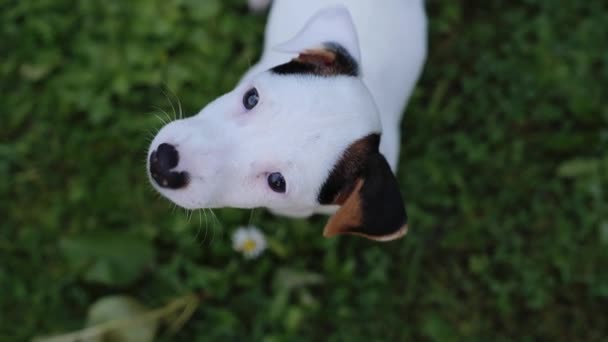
(504, 168)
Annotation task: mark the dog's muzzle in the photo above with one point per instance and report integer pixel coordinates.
(162, 161)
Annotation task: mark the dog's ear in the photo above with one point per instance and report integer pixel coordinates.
(366, 189)
(327, 45)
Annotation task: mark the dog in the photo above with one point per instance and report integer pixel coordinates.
(313, 127)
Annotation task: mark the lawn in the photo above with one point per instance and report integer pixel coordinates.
(504, 169)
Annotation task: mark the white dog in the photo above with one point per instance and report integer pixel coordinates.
(313, 127)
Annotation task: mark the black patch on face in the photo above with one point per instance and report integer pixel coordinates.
(331, 60)
(349, 168)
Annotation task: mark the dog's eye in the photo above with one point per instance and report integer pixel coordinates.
(251, 98)
(276, 182)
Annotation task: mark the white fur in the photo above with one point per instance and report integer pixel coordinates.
(392, 40)
(302, 124)
(334, 24)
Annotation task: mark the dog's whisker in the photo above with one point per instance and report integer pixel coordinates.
(251, 215)
(200, 225)
(171, 103)
(189, 215)
(213, 226)
(163, 121)
(153, 131)
(180, 111)
(168, 117)
(201, 214)
(207, 224)
(216, 219)
(179, 106)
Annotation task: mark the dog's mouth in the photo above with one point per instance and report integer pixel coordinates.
(172, 180)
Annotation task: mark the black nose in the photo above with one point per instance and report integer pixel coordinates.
(162, 161)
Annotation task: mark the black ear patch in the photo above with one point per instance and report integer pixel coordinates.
(330, 60)
(349, 168)
(363, 184)
(381, 202)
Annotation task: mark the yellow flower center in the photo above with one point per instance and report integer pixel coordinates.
(249, 246)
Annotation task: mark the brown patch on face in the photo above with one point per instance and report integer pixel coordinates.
(343, 178)
(349, 216)
(317, 56)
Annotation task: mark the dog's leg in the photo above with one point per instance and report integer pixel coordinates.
(258, 5)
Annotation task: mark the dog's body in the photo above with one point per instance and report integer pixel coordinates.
(302, 135)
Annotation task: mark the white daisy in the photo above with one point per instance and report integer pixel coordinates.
(249, 240)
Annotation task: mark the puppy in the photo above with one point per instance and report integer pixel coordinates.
(313, 127)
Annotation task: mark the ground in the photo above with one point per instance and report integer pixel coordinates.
(503, 167)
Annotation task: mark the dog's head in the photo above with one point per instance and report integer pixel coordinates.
(299, 138)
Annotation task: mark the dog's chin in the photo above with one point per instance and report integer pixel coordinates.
(180, 202)
(182, 198)
(186, 197)
(293, 212)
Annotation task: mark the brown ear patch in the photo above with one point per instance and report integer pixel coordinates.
(330, 60)
(349, 216)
